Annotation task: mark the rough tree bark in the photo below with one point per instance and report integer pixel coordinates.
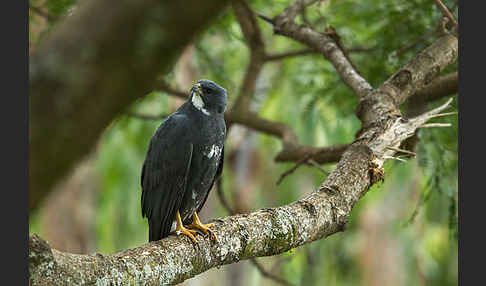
(93, 65)
(275, 230)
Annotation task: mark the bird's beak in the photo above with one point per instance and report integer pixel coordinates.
(197, 89)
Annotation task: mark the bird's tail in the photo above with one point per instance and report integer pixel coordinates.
(158, 230)
(160, 227)
(155, 230)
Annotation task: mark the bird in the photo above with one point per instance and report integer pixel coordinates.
(185, 157)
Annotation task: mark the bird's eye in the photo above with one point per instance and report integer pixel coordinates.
(206, 90)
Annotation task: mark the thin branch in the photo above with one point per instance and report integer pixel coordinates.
(304, 161)
(265, 18)
(436, 125)
(269, 275)
(317, 166)
(325, 44)
(305, 52)
(413, 154)
(291, 170)
(222, 197)
(394, 158)
(445, 11)
(276, 57)
(443, 114)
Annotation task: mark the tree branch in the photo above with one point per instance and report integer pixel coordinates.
(269, 275)
(277, 57)
(303, 52)
(440, 87)
(249, 26)
(419, 72)
(284, 25)
(445, 11)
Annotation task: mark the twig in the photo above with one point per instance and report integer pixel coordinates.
(315, 164)
(268, 274)
(295, 167)
(443, 114)
(435, 125)
(276, 57)
(304, 52)
(222, 197)
(394, 158)
(402, 151)
(445, 11)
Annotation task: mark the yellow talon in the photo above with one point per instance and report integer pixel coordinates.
(196, 223)
(181, 229)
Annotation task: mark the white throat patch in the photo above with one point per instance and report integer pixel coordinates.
(199, 103)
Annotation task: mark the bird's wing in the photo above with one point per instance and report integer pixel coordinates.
(164, 174)
(216, 177)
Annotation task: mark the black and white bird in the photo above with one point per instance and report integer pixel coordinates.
(184, 158)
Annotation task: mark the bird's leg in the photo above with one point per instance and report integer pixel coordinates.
(181, 229)
(196, 223)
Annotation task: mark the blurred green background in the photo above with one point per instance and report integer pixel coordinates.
(403, 232)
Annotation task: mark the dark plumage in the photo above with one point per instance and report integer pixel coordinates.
(184, 158)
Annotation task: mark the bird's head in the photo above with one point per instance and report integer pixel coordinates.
(208, 97)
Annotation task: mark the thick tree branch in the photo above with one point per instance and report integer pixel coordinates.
(419, 72)
(440, 87)
(268, 231)
(94, 65)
